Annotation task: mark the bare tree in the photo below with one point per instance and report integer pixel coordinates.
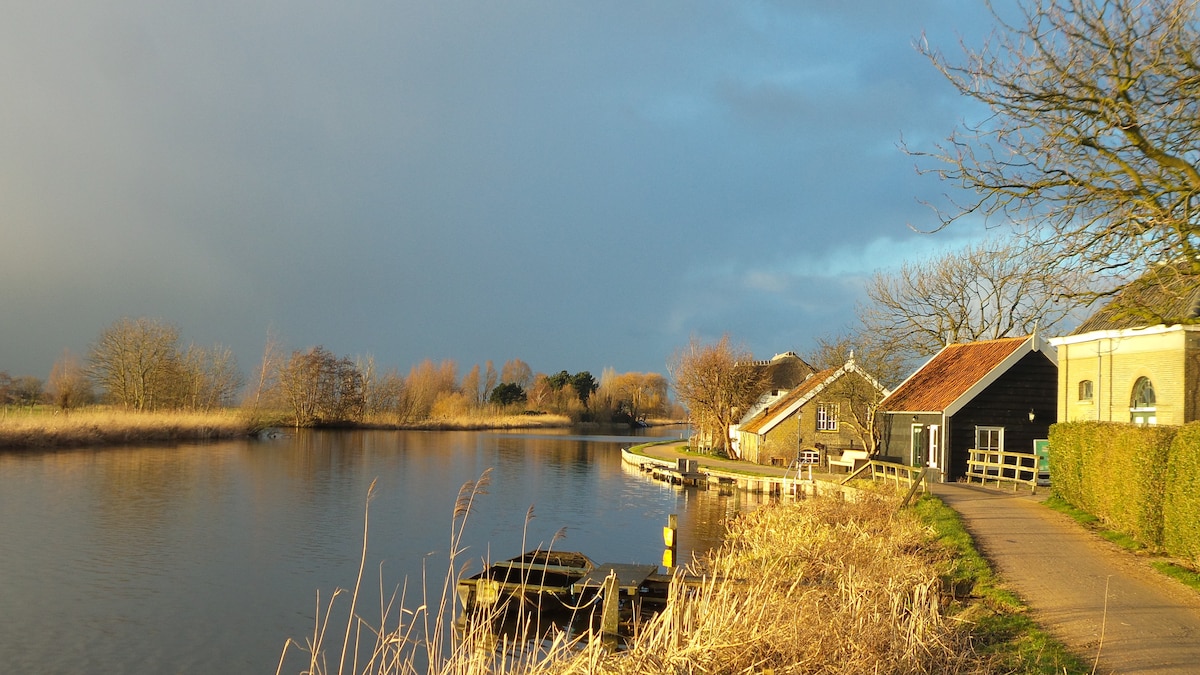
(68, 386)
(135, 360)
(885, 365)
(716, 383)
(268, 368)
(862, 385)
(1092, 140)
(320, 388)
(204, 379)
(470, 387)
(27, 390)
(490, 380)
(993, 289)
(425, 383)
(635, 396)
(516, 371)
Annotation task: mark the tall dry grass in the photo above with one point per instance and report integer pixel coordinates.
(818, 586)
(50, 429)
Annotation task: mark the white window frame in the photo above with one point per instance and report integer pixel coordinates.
(999, 447)
(826, 422)
(1143, 412)
(935, 446)
(914, 434)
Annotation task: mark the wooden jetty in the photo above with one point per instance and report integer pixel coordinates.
(526, 577)
(564, 587)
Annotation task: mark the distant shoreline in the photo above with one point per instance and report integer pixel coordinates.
(48, 430)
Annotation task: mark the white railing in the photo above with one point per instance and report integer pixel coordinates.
(1015, 468)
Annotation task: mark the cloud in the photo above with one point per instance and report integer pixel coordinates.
(578, 185)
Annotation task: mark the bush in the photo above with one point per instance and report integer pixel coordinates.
(1116, 471)
(1181, 501)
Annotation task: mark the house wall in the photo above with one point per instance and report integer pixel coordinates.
(748, 446)
(1029, 385)
(799, 431)
(780, 444)
(1113, 364)
(896, 433)
(848, 435)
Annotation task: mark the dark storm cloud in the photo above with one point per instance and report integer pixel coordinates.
(579, 185)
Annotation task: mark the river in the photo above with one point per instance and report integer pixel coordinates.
(205, 558)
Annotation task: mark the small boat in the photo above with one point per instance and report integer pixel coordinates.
(527, 577)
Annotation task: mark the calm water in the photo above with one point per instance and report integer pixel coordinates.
(205, 558)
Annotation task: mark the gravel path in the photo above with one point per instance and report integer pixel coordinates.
(1151, 623)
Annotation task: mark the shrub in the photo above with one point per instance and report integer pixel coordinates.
(1181, 501)
(1116, 471)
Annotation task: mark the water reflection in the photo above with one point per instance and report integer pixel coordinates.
(206, 557)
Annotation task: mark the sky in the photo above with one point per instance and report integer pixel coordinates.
(580, 185)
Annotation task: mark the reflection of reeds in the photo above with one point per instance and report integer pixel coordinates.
(821, 585)
(100, 427)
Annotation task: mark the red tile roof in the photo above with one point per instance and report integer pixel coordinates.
(949, 375)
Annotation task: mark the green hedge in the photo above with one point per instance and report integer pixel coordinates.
(1181, 504)
(1116, 472)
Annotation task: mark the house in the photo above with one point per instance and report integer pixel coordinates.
(1127, 363)
(778, 375)
(828, 412)
(987, 395)
(785, 371)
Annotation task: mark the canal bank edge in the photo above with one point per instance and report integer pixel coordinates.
(662, 460)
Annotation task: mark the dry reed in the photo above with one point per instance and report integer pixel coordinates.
(24, 430)
(821, 585)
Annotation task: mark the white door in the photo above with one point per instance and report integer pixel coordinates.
(917, 443)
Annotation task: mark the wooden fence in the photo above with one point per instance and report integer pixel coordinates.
(1018, 469)
(912, 477)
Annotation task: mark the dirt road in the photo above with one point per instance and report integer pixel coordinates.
(1149, 624)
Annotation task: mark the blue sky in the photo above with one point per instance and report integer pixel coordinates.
(579, 185)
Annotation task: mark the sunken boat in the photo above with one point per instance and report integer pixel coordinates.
(531, 578)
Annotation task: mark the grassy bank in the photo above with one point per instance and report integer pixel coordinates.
(42, 428)
(52, 429)
(822, 585)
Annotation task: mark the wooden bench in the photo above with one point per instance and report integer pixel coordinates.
(851, 459)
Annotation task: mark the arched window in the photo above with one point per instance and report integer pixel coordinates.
(1085, 390)
(1142, 405)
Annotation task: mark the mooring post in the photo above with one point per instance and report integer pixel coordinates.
(611, 603)
(669, 539)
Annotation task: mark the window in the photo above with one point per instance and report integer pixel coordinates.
(989, 439)
(1085, 390)
(1143, 407)
(827, 417)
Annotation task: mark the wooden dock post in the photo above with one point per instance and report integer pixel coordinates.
(610, 602)
(670, 537)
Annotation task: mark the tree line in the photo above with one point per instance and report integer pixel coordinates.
(140, 364)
